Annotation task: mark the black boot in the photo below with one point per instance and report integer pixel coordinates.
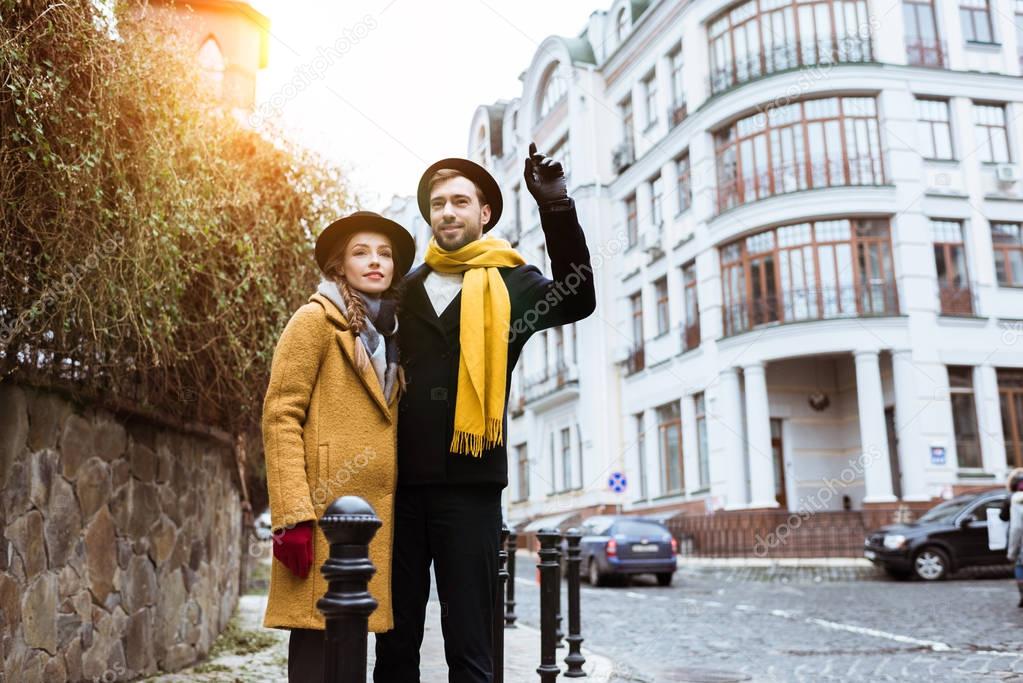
(1019, 586)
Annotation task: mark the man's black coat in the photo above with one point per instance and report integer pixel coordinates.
(430, 352)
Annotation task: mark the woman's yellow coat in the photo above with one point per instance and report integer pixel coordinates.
(328, 431)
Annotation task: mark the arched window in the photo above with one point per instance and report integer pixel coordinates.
(212, 62)
(621, 25)
(480, 153)
(554, 91)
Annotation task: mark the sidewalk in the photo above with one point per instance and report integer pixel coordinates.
(248, 652)
(782, 570)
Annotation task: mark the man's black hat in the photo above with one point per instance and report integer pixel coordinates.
(474, 172)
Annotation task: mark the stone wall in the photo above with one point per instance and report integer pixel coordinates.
(122, 541)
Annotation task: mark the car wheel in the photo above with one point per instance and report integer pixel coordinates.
(931, 564)
(665, 579)
(596, 578)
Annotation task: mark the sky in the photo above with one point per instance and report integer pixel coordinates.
(386, 87)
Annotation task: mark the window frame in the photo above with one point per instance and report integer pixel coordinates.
(930, 125)
(987, 143)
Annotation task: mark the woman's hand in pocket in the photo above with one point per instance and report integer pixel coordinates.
(294, 548)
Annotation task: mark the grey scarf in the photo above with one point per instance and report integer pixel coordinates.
(383, 357)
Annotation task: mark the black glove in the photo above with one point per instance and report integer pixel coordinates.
(545, 179)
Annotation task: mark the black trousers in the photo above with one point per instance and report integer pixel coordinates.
(458, 529)
(305, 655)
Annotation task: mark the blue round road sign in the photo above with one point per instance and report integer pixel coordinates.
(616, 482)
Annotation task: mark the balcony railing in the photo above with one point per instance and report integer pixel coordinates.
(802, 175)
(548, 382)
(785, 56)
(691, 336)
(957, 299)
(927, 52)
(875, 299)
(636, 360)
(677, 113)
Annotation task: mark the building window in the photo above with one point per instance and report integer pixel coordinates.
(650, 92)
(950, 260)
(1007, 240)
(212, 65)
(562, 152)
(923, 44)
(661, 296)
(522, 461)
(964, 416)
(808, 271)
(621, 25)
(1019, 31)
(636, 360)
(669, 429)
(554, 91)
(935, 129)
(992, 137)
(975, 16)
(545, 350)
(631, 221)
(559, 348)
(566, 459)
(628, 124)
(703, 458)
(657, 202)
(685, 189)
(552, 487)
(759, 37)
(1010, 396)
(678, 88)
(691, 336)
(641, 453)
(817, 143)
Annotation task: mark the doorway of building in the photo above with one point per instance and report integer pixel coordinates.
(778, 455)
(893, 451)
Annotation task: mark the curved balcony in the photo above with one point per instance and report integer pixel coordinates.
(799, 176)
(817, 303)
(798, 54)
(551, 387)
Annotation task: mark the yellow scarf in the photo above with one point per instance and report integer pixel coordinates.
(485, 321)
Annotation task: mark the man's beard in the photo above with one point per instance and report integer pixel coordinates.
(458, 242)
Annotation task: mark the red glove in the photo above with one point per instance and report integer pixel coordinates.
(293, 548)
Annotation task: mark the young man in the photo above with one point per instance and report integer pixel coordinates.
(465, 315)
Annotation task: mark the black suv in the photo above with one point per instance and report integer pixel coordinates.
(946, 538)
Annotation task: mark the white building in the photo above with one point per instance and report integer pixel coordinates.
(806, 224)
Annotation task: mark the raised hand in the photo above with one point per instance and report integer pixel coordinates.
(545, 178)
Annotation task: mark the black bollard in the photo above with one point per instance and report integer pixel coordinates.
(497, 629)
(548, 567)
(574, 661)
(509, 602)
(349, 525)
(559, 635)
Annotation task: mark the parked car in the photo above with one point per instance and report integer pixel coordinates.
(623, 545)
(946, 538)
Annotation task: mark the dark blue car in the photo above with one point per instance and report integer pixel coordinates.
(623, 545)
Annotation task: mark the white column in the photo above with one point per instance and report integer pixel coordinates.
(989, 419)
(728, 422)
(758, 438)
(912, 451)
(652, 454)
(873, 431)
(690, 450)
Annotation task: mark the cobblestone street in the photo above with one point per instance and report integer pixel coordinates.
(724, 625)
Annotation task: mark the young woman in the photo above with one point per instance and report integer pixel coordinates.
(329, 424)
(1015, 519)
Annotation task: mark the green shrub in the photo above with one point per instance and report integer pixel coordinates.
(153, 246)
